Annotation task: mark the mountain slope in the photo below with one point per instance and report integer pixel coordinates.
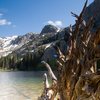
(93, 10)
(6, 46)
(10, 44)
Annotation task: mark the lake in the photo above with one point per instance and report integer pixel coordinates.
(20, 85)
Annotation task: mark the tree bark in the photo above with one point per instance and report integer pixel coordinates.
(78, 78)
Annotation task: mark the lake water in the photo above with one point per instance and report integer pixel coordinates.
(20, 85)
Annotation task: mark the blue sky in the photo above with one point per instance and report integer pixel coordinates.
(18, 17)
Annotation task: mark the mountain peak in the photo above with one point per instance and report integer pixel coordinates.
(49, 29)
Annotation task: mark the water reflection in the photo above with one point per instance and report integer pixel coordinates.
(20, 85)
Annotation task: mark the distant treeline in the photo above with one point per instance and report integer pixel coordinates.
(28, 62)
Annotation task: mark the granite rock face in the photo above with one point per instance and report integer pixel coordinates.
(93, 10)
(49, 29)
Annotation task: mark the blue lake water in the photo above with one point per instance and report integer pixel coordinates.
(20, 85)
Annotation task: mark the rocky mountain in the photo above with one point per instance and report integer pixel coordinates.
(10, 44)
(6, 46)
(49, 29)
(17, 50)
(93, 10)
(28, 42)
(24, 39)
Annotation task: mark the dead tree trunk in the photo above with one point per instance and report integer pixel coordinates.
(78, 78)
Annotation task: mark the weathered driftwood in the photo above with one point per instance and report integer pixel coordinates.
(49, 92)
(78, 78)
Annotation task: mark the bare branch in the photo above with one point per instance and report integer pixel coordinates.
(53, 77)
(46, 83)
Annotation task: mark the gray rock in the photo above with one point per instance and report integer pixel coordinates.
(93, 10)
(49, 29)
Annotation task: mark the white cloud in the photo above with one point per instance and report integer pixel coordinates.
(51, 22)
(58, 23)
(1, 14)
(4, 22)
(55, 23)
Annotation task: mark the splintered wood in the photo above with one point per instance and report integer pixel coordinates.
(78, 77)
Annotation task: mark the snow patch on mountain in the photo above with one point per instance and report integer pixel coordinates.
(5, 45)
